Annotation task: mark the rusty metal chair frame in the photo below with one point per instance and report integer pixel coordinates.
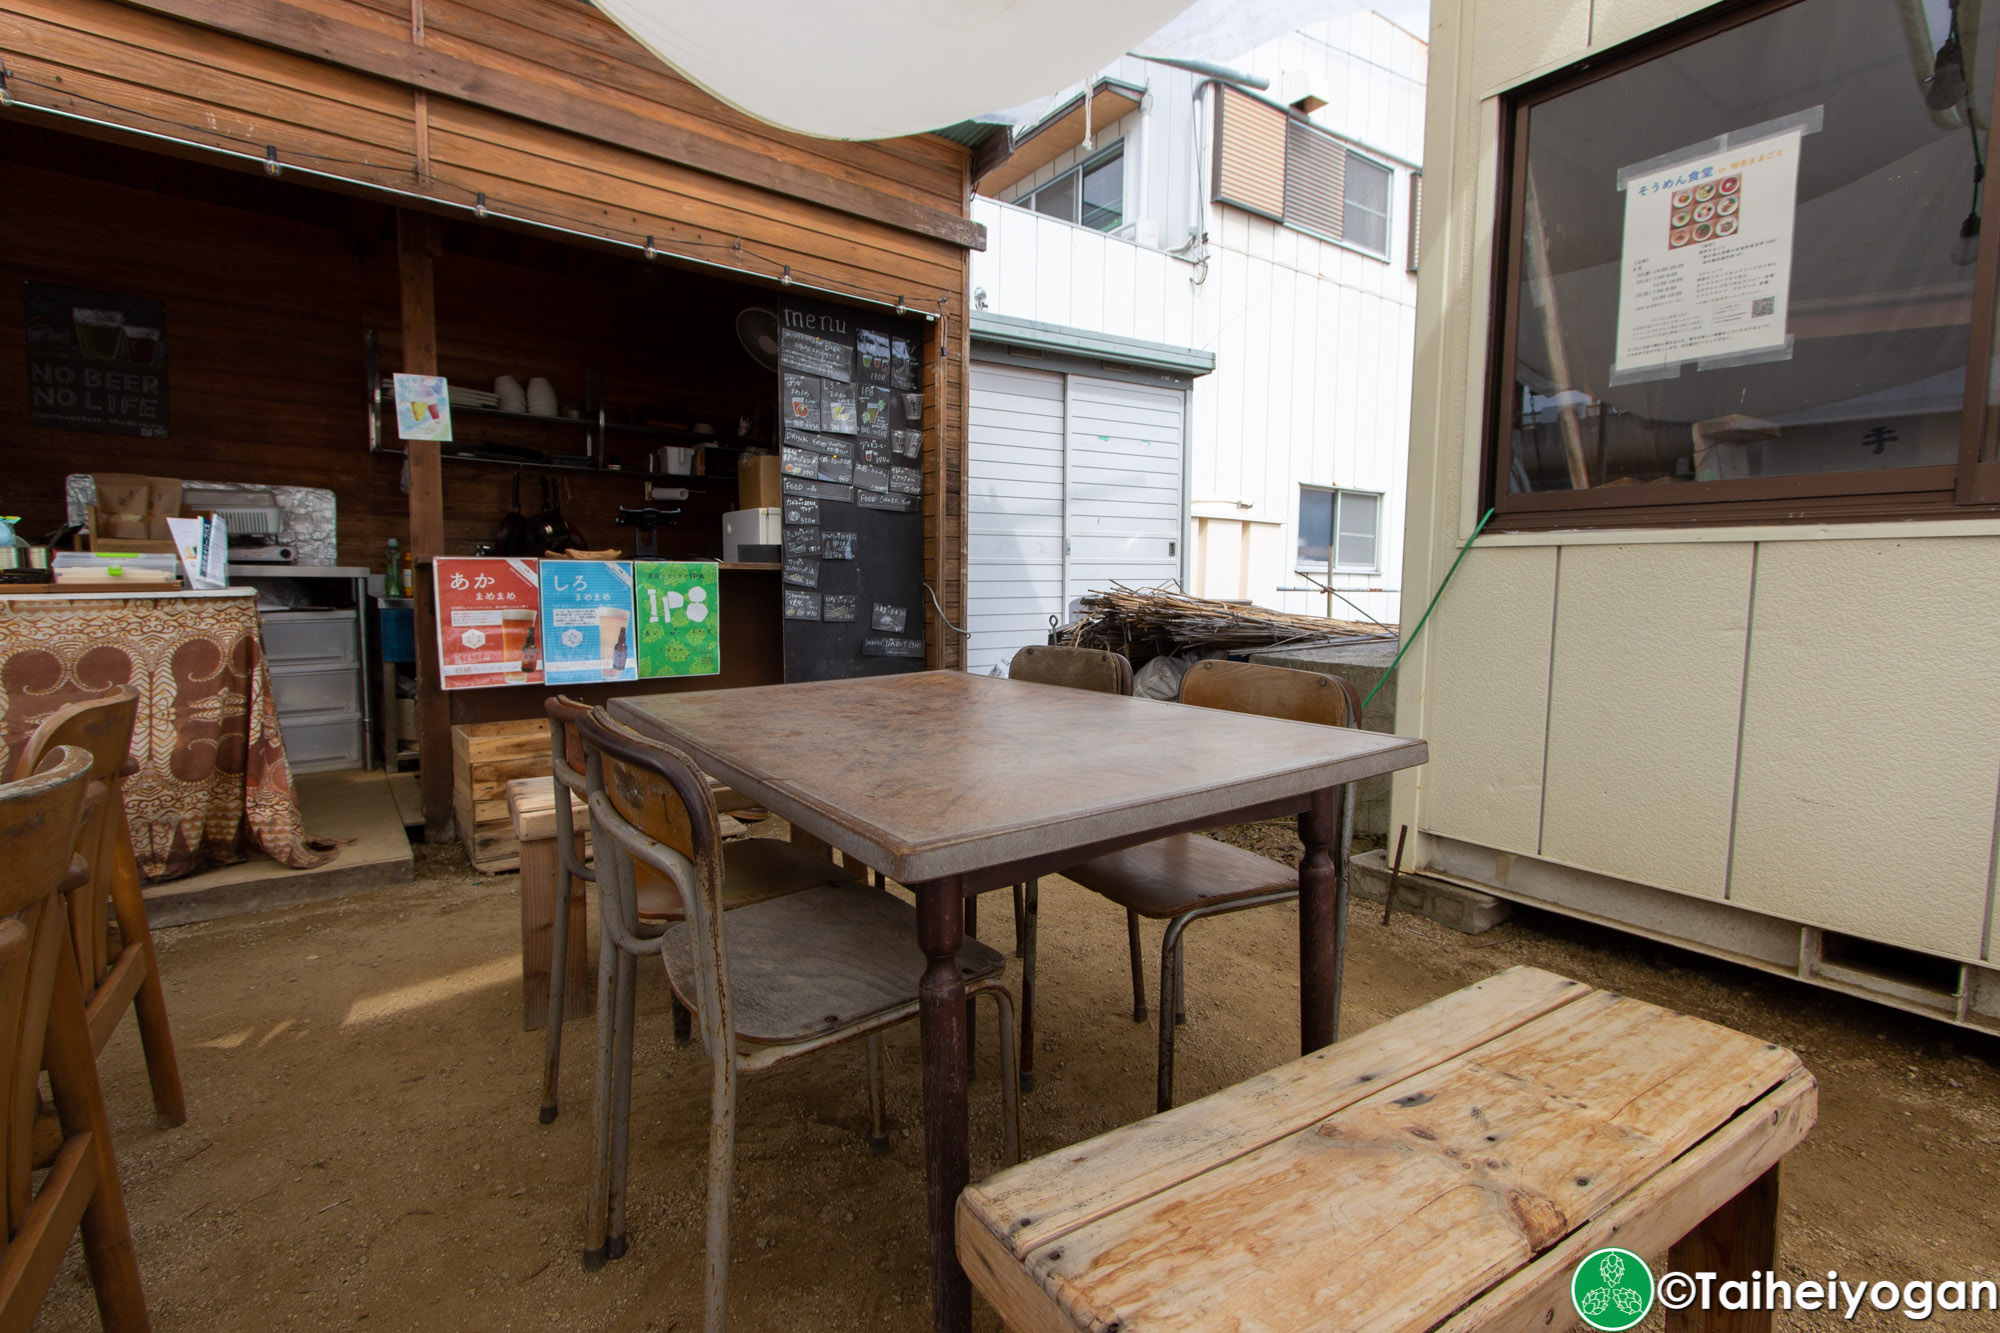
(103, 728)
(1102, 672)
(621, 846)
(1300, 696)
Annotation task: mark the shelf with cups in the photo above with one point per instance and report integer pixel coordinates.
(594, 420)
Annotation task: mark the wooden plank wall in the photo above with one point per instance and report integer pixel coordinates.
(134, 66)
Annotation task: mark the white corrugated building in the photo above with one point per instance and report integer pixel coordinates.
(1192, 335)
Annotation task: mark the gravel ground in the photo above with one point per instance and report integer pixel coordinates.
(362, 1147)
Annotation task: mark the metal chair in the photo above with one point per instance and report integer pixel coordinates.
(1186, 877)
(1078, 669)
(43, 1026)
(130, 980)
(630, 925)
(767, 981)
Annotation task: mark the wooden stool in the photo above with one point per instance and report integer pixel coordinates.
(531, 804)
(1447, 1170)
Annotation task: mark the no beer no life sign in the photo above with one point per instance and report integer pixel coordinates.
(96, 361)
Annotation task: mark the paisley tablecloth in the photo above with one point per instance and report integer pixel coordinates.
(213, 785)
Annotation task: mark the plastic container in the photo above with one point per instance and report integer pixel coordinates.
(310, 636)
(313, 690)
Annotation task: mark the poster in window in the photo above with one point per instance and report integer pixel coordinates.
(96, 361)
(487, 613)
(1706, 270)
(586, 622)
(679, 609)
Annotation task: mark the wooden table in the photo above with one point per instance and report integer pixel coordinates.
(1446, 1170)
(957, 784)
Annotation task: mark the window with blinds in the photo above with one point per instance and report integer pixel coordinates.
(1250, 153)
(1291, 171)
(1315, 180)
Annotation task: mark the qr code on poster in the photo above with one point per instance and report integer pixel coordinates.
(1763, 307)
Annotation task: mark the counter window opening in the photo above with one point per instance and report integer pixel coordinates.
(1339, 531)
(1743, 278)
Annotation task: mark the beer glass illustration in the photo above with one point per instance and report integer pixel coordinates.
(517, 634)
(97, 332)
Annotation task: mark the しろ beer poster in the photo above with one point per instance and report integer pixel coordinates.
(586, 622)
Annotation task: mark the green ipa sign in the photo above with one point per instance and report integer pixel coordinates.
(679, 611)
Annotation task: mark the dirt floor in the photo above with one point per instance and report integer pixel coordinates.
(362, 1145)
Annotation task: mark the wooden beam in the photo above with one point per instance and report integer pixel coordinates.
(318, 36)
(416, 255)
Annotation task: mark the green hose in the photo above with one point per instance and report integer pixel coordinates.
(1427, 610)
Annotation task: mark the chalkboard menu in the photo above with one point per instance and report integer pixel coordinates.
(96, 362)
(851, 459)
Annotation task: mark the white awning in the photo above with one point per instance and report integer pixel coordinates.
(877, 69)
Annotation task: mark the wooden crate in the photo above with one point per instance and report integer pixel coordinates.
(485, 757)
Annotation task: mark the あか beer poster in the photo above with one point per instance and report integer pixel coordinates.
(679, 614)
(487, 614)
(587, 622)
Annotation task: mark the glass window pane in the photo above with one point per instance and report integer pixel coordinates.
(1779, 289)
(1315, 527)
(1360, 525)
(1104, 195)
(1365, 217)
(1057, 199)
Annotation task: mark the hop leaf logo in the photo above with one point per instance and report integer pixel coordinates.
(1612, 1290)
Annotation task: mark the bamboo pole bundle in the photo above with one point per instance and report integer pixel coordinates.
(1145, 622)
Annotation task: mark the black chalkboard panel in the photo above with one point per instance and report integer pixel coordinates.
(854, 528)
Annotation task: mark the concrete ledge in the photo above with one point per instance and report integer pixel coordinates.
(1448, 904)
(355, 807)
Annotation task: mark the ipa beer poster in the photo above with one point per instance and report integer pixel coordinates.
(586, 622)
(680, 618)
(487, 613)
(1706, 270)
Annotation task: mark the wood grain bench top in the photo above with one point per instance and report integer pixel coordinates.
(1447, 1169)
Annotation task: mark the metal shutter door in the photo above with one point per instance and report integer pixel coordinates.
(1014, 512)
(1125, 496)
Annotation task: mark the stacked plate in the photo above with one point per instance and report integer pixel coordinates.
(508, 391)
(462, 396)
(541, 397)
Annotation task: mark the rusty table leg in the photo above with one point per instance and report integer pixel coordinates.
(941, 932)
(1322, 920)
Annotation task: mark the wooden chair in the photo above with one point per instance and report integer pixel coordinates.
(1451, 1169)
(43, 1025)
(1186, 877)
(1091, 669)
(789, 975)
(130, 979)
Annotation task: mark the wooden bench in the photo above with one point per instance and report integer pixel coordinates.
(1448, 1169)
